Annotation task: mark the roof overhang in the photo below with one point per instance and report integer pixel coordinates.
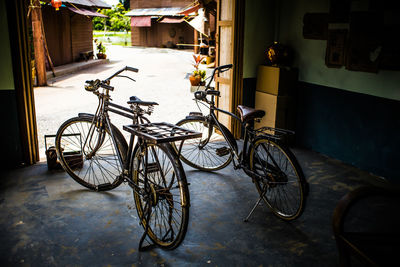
(85, 3)
(155, 12)
(142, 21)
(171, 20)
(86, 12)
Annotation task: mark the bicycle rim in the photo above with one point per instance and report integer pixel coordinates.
(215, 155)
(96, 168)
(167, 188)
(279, 178)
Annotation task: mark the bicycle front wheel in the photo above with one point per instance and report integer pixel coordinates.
(210, 152)
(88, 155)
(278, 178)
(163, 202)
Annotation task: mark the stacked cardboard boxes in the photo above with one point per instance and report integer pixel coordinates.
(275, 93)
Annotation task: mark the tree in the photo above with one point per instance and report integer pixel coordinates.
(116, 21)
(125, 3)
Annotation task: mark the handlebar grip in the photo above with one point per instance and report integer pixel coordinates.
(106, 86)
(224, 67)
(132, 69)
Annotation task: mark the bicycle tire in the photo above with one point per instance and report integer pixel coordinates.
(215, 155)
(99, 172)
(279, 172)
(168, 189)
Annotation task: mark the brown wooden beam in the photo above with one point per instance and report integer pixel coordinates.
(38, 43)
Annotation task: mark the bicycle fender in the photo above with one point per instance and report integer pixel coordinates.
(195, 115)
(80, 115)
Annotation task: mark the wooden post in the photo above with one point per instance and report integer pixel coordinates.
(196, 40)
(40, 57)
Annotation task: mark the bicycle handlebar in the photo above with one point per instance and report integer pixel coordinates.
(94, 85)
(224, 68)
(121, 70)
(201, 95)
(106, 86)
(220, 69)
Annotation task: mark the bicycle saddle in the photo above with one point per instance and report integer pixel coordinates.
(248, 114)
(136, 100)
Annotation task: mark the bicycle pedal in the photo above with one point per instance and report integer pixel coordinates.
(222, 151)
(152, 167)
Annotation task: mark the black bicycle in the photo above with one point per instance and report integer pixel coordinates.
(270, 163)
(96, 155)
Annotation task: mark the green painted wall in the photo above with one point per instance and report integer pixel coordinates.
(6, 75)
(310, 56)
(11, 151)
(258, 34)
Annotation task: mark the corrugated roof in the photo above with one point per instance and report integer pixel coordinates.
(86, 12)
(88, 3)
(162, 11)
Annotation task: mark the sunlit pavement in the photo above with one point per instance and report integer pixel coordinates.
(162, 78)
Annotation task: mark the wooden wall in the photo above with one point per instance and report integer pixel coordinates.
(58, 34)
(158, 34)
(67, 34)
(81, 35)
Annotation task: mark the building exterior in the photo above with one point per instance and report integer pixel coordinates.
(158, 24)
(69, 31)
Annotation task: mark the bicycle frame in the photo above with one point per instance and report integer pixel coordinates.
(102, 119)
(241, 157)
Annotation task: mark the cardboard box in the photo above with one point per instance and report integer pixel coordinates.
(276, 81)
(279, 111)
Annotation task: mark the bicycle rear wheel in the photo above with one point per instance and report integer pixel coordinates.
(211, 155)
(278, 178)
(97, 168)
(163, 205)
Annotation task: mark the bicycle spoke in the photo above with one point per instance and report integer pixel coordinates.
(93, 157)
(168, 213)
(284, 190)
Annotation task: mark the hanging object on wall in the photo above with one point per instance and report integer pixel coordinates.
(336, 48)
(365, 41)
(56, 4)
(279, 55)
(315, 26)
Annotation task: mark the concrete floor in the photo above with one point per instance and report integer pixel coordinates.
(47, 219)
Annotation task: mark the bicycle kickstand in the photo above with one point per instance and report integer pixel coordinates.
(257, 203)
(146, 215)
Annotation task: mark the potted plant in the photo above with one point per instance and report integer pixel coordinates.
(101, 50)
(197, 76)
(200, 74)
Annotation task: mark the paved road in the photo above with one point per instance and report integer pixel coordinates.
(161, 78)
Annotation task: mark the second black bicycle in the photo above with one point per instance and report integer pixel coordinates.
(265, 157)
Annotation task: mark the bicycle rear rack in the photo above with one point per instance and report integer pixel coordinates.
(161, 132)
(277, 134)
